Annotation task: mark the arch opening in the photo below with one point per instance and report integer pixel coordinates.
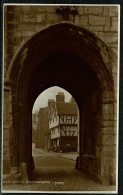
(57, 121)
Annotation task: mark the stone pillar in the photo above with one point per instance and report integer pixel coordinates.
(25, 136)
(7, 127)
(108, 141)
(23, 168)
(106, 175)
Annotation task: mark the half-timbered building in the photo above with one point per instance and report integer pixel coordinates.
(63, 123)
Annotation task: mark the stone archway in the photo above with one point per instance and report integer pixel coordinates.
(75, 59)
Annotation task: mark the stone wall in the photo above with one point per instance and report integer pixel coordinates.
(21, 22)
(7, 121)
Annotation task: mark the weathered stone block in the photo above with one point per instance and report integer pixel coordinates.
(106, 160)
(51, 8)
(115, 116)
(26, 9)
(83, 20)
(6, 94)
(6, 126)
(31, 10)
(106, 175)
(41, 9)
(93, 9)
(112, 13)
(80, 10)
(5, 134)
(21, 27)
(114, 18)
(5, 143)
(10, 98)
(107, 131)
(114, 164)
(115, 25)
(28, 18)
(27, 33)
(94, 29)
(111, 123)
(105, 123)
(77, 20)
(105, 11)
(40, 18)
(8, 117)
(115, 130)
(105, 98)
(115, 123)
(107, 21)
(17, 34)
(111, 108)
(107, 152)
(15, 9)
(115, 140)
(109, 39)
(107, 140)
(111, 28)
(115, 49)
(94, 20)
(111, 117)
(106, 108)
(106, 117)
(52, 17)
(115, 108)
(113, 10)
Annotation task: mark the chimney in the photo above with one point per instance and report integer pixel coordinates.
(60, 97)
(50, 102)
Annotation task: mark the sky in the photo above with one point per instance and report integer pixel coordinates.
(50, 93)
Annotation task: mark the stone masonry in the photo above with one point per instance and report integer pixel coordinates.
(23, 21)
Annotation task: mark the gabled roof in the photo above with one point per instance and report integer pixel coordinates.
(66, 108)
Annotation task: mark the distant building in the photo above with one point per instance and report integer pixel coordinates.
(43, 129)
(63, 124)
(35, 127)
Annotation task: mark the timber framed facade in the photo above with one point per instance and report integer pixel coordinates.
(63, 123)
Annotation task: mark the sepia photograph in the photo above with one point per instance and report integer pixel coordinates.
(60, 124)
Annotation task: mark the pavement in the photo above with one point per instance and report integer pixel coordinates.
(70, 155)
(67, 155)
(54, 173)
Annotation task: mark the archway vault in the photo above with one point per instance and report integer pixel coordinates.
(67, 56)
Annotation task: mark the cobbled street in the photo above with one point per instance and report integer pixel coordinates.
(56, 173)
